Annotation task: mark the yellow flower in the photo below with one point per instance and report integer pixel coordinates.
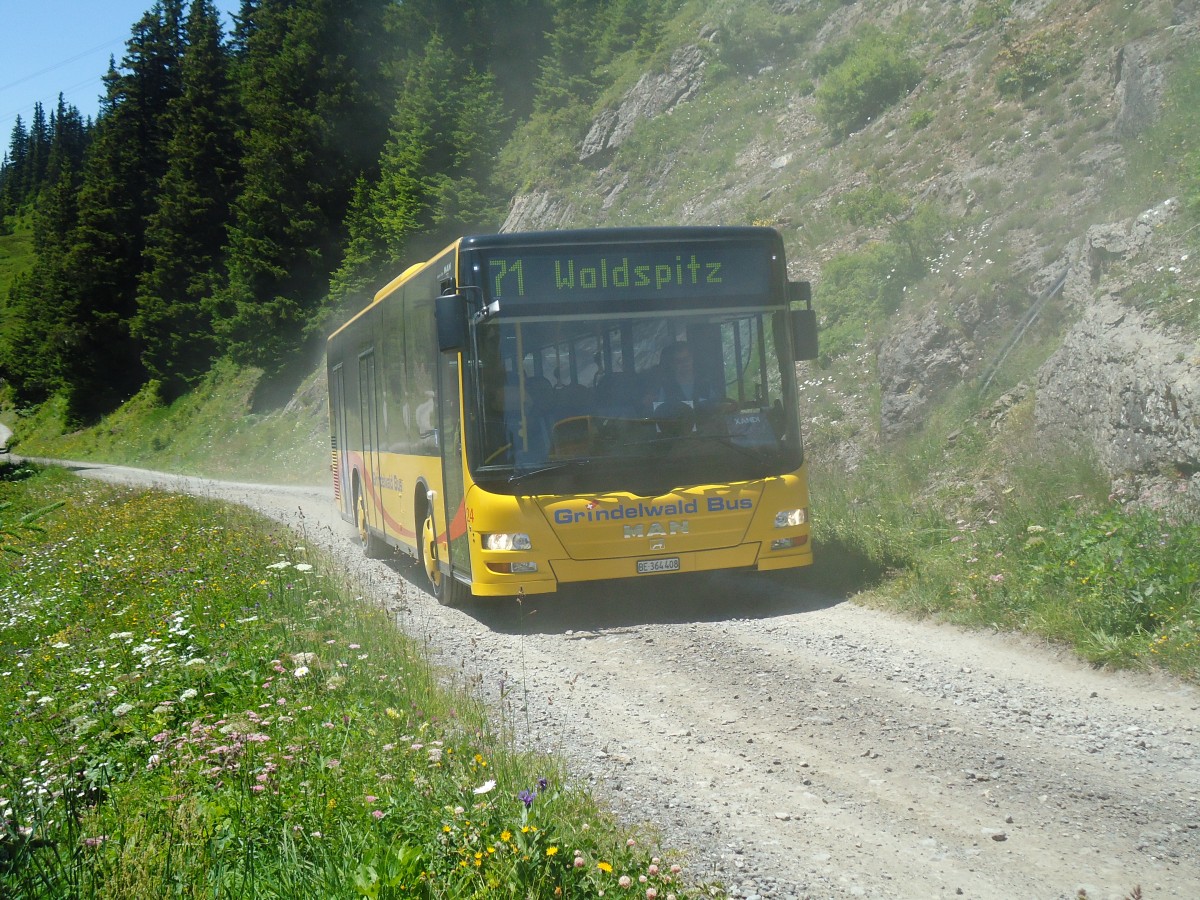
(604, 867)
(550, 851)
(506, 835)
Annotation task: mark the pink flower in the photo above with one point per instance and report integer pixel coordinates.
(651, 893)
(624, 881)
(378, 813)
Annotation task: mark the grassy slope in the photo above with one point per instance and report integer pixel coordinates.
(16, 256)
(196, 706)
(209, 432)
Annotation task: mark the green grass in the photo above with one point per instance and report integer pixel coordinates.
(210, 432)
(993, 530)
(16, 254)
(195, 706)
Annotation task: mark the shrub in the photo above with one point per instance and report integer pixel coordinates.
(1031, 65)
(876, 73)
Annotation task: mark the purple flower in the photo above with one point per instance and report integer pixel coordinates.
(543, 784)
(526, 797)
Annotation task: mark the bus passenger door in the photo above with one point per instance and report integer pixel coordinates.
(342, 496)
(450, 446)
(368, 410)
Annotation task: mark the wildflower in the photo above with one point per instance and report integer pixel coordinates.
(303, 567)
(506, 835)
(300, 672)
(579, 863)
(542, 784)
(651, 893)
(604, 867)
(187, 695)
(551, 851)
(625, 881)
(526, 797)
(486, 786)
(123, 710)
(377, 814)
(282, 564)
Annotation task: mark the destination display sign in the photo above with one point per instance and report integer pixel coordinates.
(704, 270)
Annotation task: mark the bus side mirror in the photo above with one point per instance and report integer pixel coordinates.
(803, 321)
(450, 311)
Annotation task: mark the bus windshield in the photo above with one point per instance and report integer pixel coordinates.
(643, 400)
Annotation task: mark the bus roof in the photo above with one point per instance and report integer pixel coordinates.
(642, 234)
(626, 235)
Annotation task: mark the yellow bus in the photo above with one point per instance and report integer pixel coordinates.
(524, 411)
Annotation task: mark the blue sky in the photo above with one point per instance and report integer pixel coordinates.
(53, 46)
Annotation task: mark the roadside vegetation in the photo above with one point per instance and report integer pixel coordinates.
(212, 431)
(981, 526)
(194, 706)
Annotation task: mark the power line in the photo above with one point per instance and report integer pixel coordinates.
(59, 65)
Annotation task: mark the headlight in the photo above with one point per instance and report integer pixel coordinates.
(790, 518)
(515, 541)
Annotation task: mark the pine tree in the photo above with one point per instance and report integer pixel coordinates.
(568, 72)
(37, 326)
(437, 170)
(186, 231)
(100, 358)
(38, 155)
(12, 172)
(314, 102)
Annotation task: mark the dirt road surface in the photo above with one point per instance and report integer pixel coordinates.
(797, 745)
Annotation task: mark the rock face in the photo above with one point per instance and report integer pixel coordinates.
(916, 364)
(538, 210)
(654, 94)
(1120, 384)
(1130, 392)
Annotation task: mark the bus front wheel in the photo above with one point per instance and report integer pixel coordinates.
(448, 590)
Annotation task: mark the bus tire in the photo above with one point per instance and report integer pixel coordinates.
(373, 547)
(446, 589)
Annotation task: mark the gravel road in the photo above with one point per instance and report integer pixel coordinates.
(797, 745)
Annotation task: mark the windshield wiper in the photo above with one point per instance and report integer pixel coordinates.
(518, 477)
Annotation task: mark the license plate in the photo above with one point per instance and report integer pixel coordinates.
(646, 566)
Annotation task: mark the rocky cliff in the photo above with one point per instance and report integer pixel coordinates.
(1026, 186)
